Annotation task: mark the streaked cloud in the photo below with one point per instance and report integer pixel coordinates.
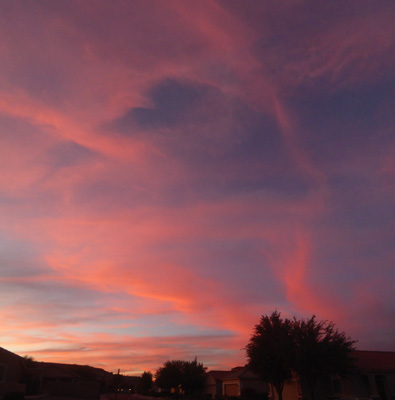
(171, 171)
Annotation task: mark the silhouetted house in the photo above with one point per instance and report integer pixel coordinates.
(53, 379)
(67, 380)
(373, 378)
(128, 384)
(12, 372)
(213, 383)
(238, 382)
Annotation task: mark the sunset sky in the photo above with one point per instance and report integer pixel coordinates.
(172, 170)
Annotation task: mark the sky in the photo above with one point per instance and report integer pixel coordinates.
(170, 171)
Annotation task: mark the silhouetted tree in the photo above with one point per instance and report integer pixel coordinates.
(270, 351)
(183, 376)
(30, 361)
(145, 382)
(312, 349)
(194, 377)
(320, 351)
(169, 376)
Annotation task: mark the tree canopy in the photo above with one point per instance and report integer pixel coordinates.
(145, 382)
(320, 351)
(269, 350)
(310, 348)
(183, 376)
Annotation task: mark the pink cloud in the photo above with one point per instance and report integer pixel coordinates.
(169, 240)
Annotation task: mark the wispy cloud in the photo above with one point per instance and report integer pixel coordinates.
(169, 172)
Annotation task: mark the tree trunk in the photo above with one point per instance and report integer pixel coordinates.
(312, 392)
(280, 395)
(279, 390)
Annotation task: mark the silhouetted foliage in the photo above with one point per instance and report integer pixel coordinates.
(30, 361)
(170, 375)
(270, 349)
(145, 383)
(194, 373)
(313, 349)
(183, 376)
(320, 351)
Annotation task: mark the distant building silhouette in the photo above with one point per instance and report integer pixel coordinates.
(19, 375)
(373, 378)
(238, 382)
(12, 372)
